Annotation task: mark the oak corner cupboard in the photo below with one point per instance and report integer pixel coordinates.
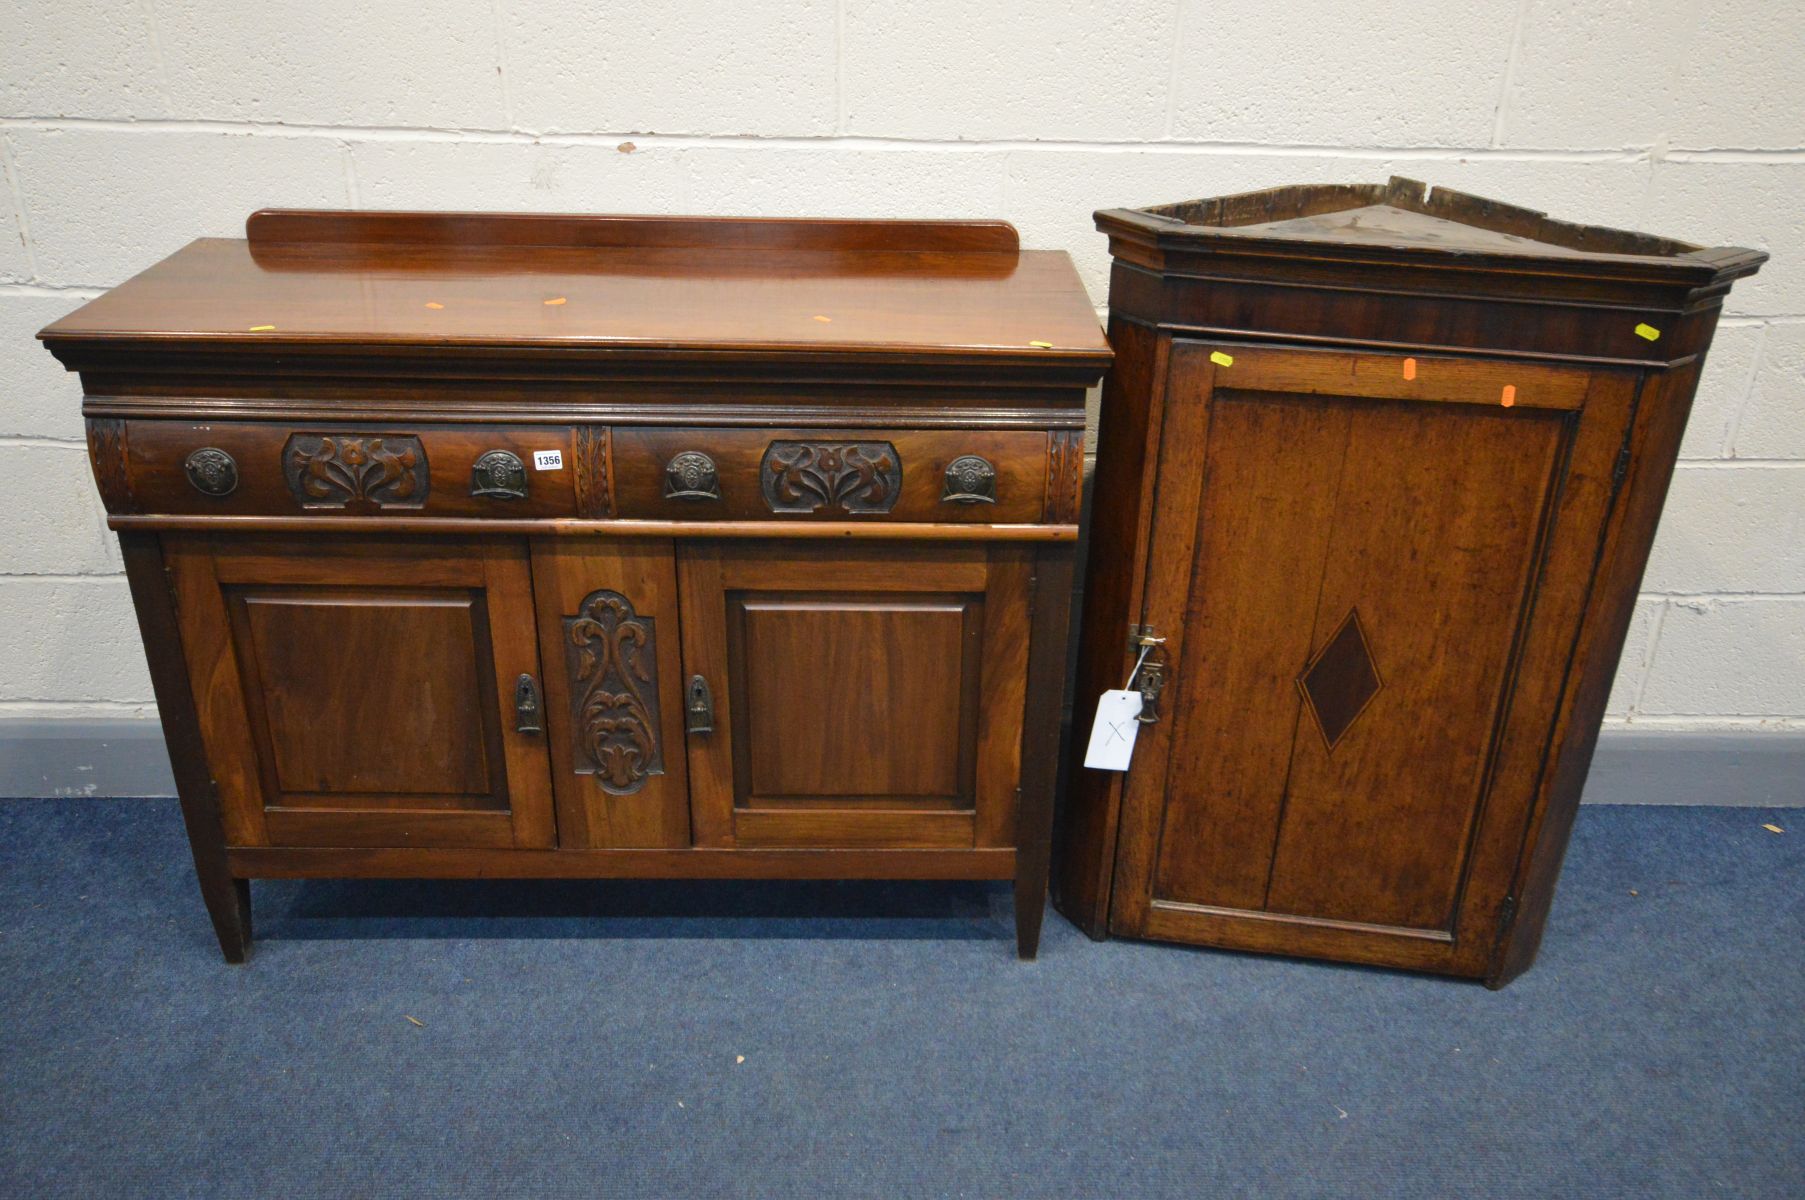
(472, 545)
(1378, 471)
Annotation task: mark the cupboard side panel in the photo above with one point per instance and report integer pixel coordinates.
(1121, 512)
(1659, 405)
(219, 700)
(228, 899)
(1003, 692)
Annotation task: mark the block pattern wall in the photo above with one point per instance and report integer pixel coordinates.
(128, 128)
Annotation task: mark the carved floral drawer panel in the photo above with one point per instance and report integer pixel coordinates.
(937, 475)
(977, 476)
(233, 469)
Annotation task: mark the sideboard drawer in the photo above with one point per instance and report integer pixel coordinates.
(392, 471)
(984, 476)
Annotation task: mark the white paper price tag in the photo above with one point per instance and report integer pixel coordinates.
(548, 460)
(1112, 737)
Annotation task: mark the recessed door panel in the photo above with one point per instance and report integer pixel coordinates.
(329, 666)
(869, 697)
(885, 680)
(1380, 650)
(1359, 564)
(363, 692)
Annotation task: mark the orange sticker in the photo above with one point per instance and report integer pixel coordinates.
(557, 300)
(825, 320)
(1410, 368)
(1510, 395)
(434, 304)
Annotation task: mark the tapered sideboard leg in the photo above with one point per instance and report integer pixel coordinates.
(1040, 742)
(1030, 905)
(229, 904)
(228, 900)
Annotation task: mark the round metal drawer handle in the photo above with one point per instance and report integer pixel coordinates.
(691, 476)
(212, 471)
(970, 480)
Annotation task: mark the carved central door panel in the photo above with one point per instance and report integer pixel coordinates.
(608, 634)
(367, 693)
(854, 698)
(1361, 558)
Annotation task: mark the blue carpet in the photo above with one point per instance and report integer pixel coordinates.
(892, 1045)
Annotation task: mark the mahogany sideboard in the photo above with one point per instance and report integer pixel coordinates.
(1381, 466)
(509, 545)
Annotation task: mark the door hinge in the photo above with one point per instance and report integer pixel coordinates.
(1622, 466)
(1507, 913)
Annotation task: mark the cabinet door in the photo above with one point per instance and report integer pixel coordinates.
(614, 690)
(1370, 570)
(868, 696)
(365, 692)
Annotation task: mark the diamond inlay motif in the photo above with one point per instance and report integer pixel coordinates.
(1341, 680)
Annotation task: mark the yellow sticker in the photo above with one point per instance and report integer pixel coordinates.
(825, 320)
(1771, 828)
(1042, 345)
(1648, 331)
(434, 304)
(1221, 359)
(261, 328)
(557, 300)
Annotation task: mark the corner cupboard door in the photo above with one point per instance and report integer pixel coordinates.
(1370, 570)
(864, 696)
(366, 692)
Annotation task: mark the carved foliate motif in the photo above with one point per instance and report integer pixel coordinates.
(212, 471)
(612, 656)
(1065, 475)
(338, 470)
(806, 477)
(592, 462)
(498, 474)
(108, 455)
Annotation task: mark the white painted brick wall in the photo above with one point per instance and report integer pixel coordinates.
(38, 399)
(731, 69)
(1772, 424)
(1339, 72)
(127, 129)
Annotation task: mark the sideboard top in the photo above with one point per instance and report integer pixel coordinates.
(937, 291)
